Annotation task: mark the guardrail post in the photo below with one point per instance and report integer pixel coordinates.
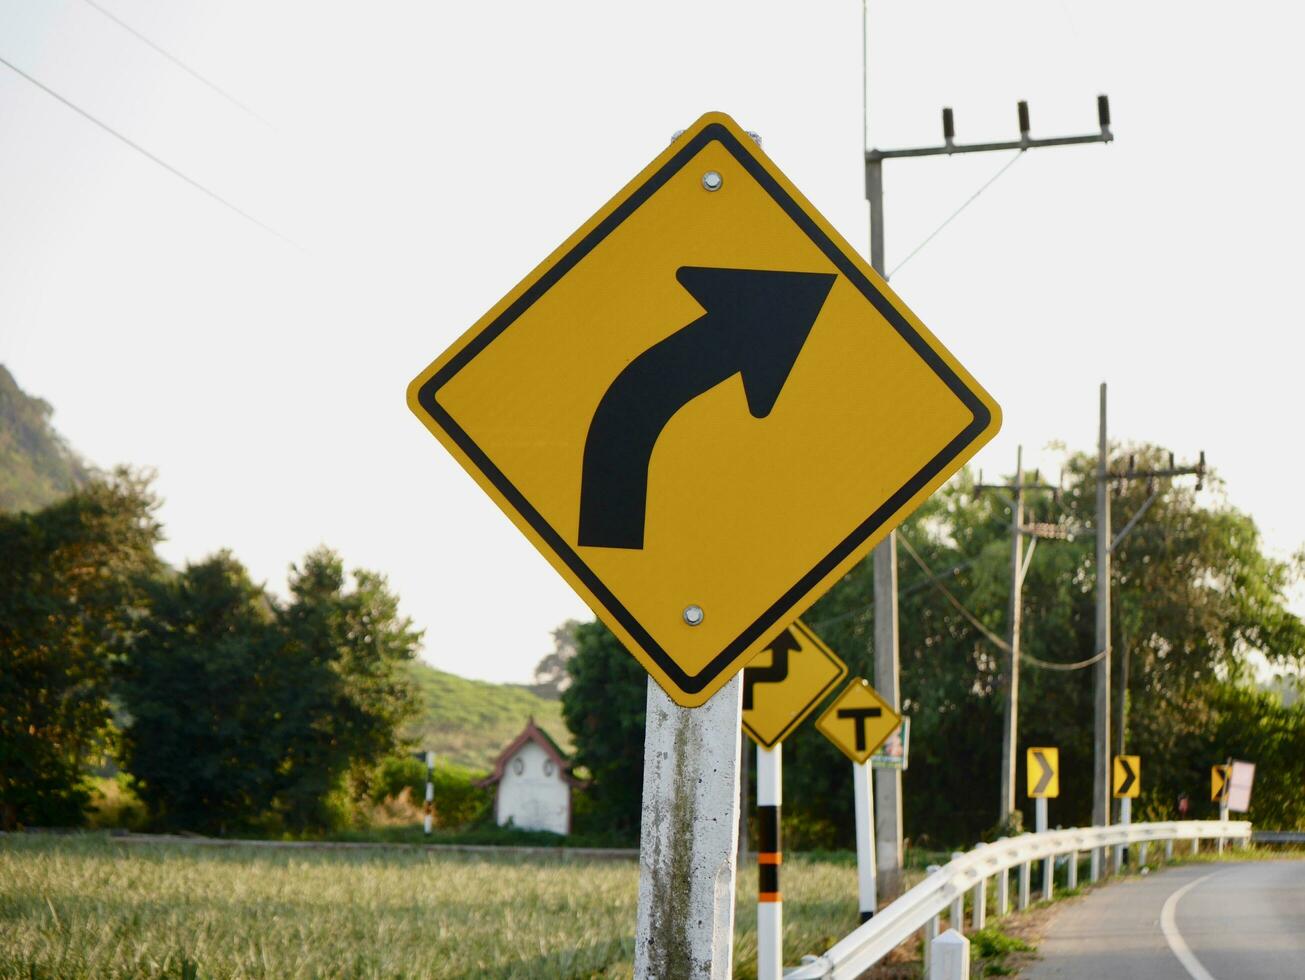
(980, 898)
(1071, 871)
(1196, 845)
(931, 930)
(958, 905)
(1094, 873)
(1003, 888)
(950, 957)
(1048, 877)
(1141, 854)
(1169, 849)
(1026, 872)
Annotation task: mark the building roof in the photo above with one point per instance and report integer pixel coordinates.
(532, 733)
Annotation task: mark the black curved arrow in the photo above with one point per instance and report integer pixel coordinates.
(755, 325)
(1130, 777)
(1047, 773)
(783, 645)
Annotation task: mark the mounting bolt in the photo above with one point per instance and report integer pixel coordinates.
(712, 180)
(693, 615)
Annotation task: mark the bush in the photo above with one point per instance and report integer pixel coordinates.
(459, 802)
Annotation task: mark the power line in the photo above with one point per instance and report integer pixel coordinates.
(146, 153)
(955, 214)
(176, 61)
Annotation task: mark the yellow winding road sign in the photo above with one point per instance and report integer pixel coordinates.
(639, 404)
(786, 682)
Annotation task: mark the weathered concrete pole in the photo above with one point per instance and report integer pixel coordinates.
(689, 837)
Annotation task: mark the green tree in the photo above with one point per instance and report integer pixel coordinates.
(351, 645)
(68, 591)
(203, 680)
(245, 711)
(604, 707)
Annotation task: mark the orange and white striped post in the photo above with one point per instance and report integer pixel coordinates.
(770, 903)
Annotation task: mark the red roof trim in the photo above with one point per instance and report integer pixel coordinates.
(531, 733)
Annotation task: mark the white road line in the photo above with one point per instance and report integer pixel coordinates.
(1175, 938)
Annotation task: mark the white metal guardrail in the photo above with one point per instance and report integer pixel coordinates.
(922, 906)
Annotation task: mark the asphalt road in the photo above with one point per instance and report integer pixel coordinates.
(1198, 922)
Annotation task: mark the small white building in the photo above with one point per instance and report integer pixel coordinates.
(534, 783)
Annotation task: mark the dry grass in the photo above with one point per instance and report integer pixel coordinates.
(87, 907)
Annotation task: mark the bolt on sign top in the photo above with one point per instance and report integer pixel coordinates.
(779, 691)
(640, 404)
(1042, 773)
(858, 721)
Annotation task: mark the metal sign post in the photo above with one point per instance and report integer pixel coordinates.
(770, 856)
(858, 721)
(866, 870)
(689, 837)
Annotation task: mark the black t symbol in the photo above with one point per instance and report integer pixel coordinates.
(859, 715)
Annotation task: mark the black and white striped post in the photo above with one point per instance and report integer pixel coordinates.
(770, 855)
(430, 789)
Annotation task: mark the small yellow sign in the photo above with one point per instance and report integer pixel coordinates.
(1218, 783)
(1127, 780)
(1042, 771)
(638, 404)
(786, 682)
(858, 721)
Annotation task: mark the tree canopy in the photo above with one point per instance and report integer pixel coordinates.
(1197, 605)
(70, 586)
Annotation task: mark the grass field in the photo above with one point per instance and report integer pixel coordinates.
(88, 907)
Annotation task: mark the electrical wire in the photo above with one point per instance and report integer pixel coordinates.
(146, 153)
(988, 634)
(176, 61)
(970, 200)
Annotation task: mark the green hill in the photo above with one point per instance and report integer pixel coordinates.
(470, 722)
(36, 465)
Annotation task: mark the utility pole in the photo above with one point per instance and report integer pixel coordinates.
(1106, 545)
(1101, 714)
(888, 782)
(1019, 564)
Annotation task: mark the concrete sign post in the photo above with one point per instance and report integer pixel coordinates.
(689, 838)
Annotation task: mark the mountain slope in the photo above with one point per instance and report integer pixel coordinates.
(36, 465)
(470, 722)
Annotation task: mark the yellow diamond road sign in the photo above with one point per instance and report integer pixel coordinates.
(786, 682)
(1127, 776)
(858, 721)
(638, 405)
(1042, 773)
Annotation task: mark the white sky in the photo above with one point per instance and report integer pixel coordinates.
(425, 156)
